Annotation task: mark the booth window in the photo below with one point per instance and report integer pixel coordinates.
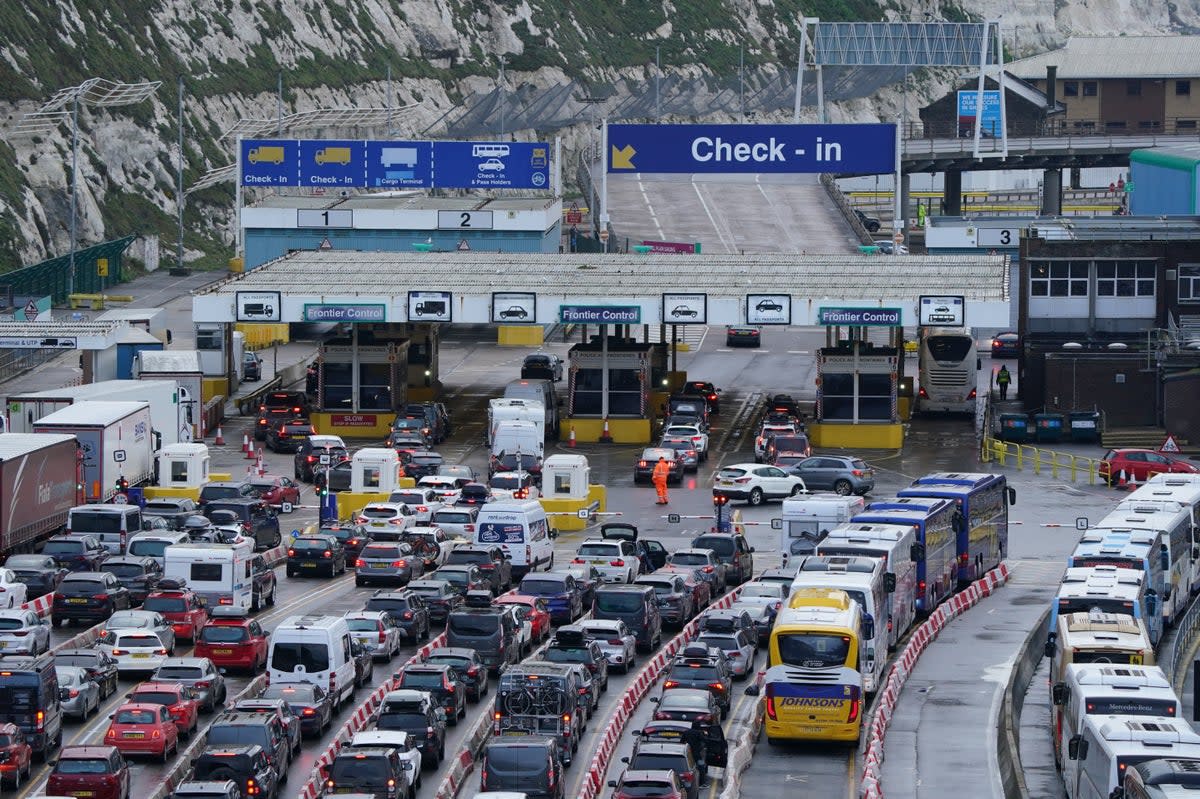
(875, 397)
(587, 393)
(374, 386)
(179, 471)
(562, 483)
(338, 385)
(371, 476)
(837, 395)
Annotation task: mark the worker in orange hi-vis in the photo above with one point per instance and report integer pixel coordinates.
(662, 470)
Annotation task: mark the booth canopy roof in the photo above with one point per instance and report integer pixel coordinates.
(981, 278)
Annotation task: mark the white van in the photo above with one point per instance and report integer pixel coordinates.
(538, 390)
(154, 545)
(222, 574)
(314, 650)
(521, 530)
(112, 525)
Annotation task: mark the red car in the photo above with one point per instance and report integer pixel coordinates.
(535, 611)
(643, 784)
(231, 639)
(180, 605)
(15, 756)
(1140, 464)
(276, 490)
(141, 728)
(179, 700)
(97, 772)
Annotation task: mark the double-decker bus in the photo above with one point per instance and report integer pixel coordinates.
(983, 500)
(813, 683)
(935, 523)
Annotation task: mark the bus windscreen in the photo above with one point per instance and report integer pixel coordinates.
(813, 650)
(1085, 604)
(949, 348)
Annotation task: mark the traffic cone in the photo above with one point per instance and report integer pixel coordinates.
(250, 452)
(1132, 482)
(605, 436)
(1121, 479)
(245, 442)
(571, 438)
(220, 440)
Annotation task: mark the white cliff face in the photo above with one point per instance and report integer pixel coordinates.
(334, 53)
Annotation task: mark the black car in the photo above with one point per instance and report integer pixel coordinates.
(77, 553)
(417, 714)
(643, 468)
(306, 464)
(474, 494)
(173, 510)
(676, 601)
(490, 560)
(258, 519)
(525, 463)
(435, 414)
(239, 728)
(463, 578)
(871, 223)
(467, 664)
(351, 536)
(406, 607)
(423, 463)
(251, 366)
(316, 554)
(88, 596)
(675, 732)
(287, 436)
(742, 336)
(311, 703)
(443, 683)
(337, 476)
(364, 664)
(248, 766)
(708, 391)
(439, 596)
(271, 418)
(139, 574)
(41, 574)
(367, 771)
(234, 489)
(571, 644)
(703, 667)
(410, 428)
(100, 666)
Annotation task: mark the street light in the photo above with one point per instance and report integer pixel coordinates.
(97, 92)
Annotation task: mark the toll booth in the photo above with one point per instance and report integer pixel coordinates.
(857, 395)
(361, 382)
(612, 379)
(569, 497)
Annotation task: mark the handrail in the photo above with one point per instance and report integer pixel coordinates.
(1076, 466)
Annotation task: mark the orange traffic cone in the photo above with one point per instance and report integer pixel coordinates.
(1121, 479)
(259, 466)
(571, 438)
(220, 440)
(1132, 482)
(249, 451)
(605, 436)
(245, 442)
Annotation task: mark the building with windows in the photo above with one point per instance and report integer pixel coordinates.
(1121, 83)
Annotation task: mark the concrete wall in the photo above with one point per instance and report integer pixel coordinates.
(1119, 385)
(1179, 406)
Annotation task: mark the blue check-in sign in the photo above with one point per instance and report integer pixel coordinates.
(270, 162)
(600, 314)
(344, 312)
(332, 163)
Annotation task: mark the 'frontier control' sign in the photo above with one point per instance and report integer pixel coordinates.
(344, 312)
(859, 317)
(600, 314)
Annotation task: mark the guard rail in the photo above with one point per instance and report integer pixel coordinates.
(1059, 464)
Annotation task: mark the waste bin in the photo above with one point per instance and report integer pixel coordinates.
(1085, 426)
(1048, 427)
(1014, 427)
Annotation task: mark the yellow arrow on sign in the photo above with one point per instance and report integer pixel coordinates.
(623, 158)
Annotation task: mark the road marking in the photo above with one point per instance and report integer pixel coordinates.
(729, 248)
(650, 208)
(797, 352)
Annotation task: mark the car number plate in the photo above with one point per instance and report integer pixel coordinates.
(813, 729)
(84, 793)
(77, 601)
(380, 565)
(140, 655)
(515, 733)
(135, 735)
(308, 565)
(222, 651)
(726, 483)
(364, 641)
(3, 644)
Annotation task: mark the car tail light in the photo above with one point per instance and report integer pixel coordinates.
(291, 553)
(157, 734)
(617, 562)
(308, 711)
(708, 569)
(72, 693)
(399, 564)
(857, 472)
(473, 671)
(397, 521)
(742, 480)
(359, 563)
(361, 519)
(921, 586)
(972, 394)
(101, 597)
(470, 528)
(311, 459)
(117, 652)
(225, 600)
(641, 463)
(41, 719)
(112, 733)
(160, 651)
(615, 641)
(854, 703)
(521, 493)
(704, 717)
(578, 560)
(382, 636)
(964, 558)
(252, 788)
(20, 633)
(408, 614)
(203, 684)
(670, 684)
(327, 554)
(660, 715)
(429, 730)
(923, 393)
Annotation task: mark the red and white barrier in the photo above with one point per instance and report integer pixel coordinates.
(869, 781)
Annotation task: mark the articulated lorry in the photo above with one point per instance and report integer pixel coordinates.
(39, 484)
(116, 441)
(168, 405)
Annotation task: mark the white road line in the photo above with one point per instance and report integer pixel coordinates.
(797, 352)
(729, 248)
(650, 208)
(779, 218)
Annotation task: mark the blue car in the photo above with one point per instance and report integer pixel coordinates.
(564, 598)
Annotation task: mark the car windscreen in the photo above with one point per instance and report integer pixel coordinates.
(155, 697)
(556, 655)
(223, 634)
(451, 517)
(138, 641)
(125, 569)
(81, 765)
(402, 720)
(134, 716)
(11, 624)
(618, 602)
(646, 788)
(1087, 603)
(689, 559)
(76, 586)
(408, 497)
(239, 735)
(31, 562)
(377, 513)
(516, 759)
(287, 655)
(457, 556)
(355, 770)
(474, 623)
(813, 650)
(694, 672)
(383, 552)
(726, 642)
(148, 549)
(507, 483)
(724, 547)
(771, 591)
(165, 604)
(178, 673)
(362, 625)
(209, 493)
(599, 551)
(653, 761)
(542, 587)
(421, 679)
(83, 521)
(62, 548)
(660, 588)
(314, 544)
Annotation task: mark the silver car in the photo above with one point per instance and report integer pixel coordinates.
(387, 562)
(617, 643)
(138, 620)
(196, 673)
(23, 632)
(376, 631)
(737, 646)
(79, 696)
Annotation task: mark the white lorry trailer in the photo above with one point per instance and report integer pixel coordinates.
(115, 439)
(168, 403)
(507, 409)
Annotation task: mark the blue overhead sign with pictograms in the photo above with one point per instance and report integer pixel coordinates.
(851, 149)
(491, 165)
(335, 164)
(270, 162)
(348, 164)
(399, 164)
